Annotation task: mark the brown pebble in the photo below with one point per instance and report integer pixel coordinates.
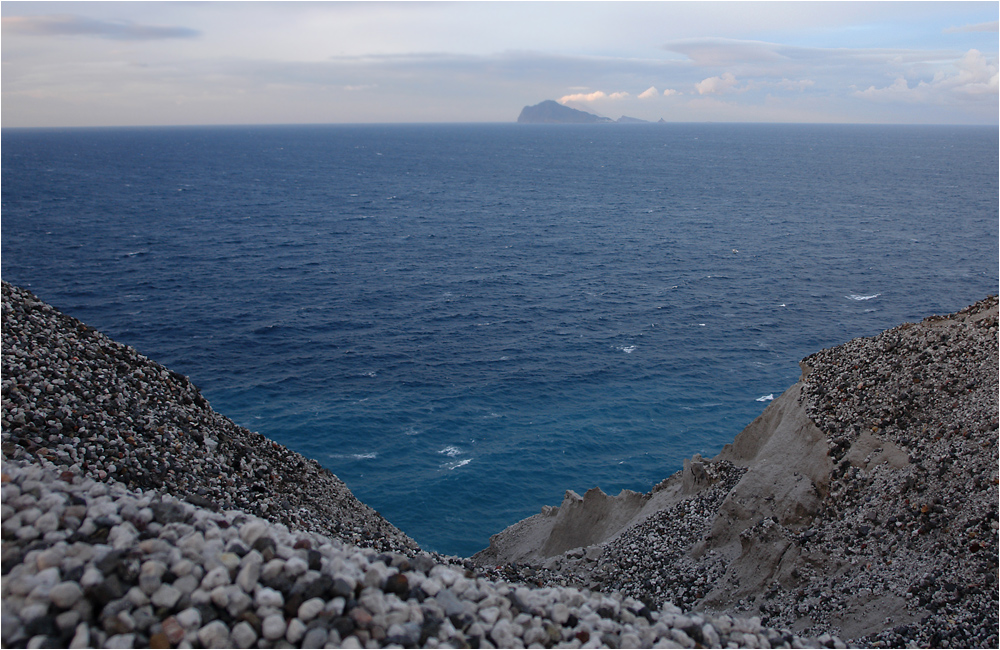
(172, 630)
(159, 640)
(361, 617)
(397, 584)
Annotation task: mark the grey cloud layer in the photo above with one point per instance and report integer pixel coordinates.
(731, 52)
(980, 27)
(70, 25)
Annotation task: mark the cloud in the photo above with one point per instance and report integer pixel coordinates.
(799, 85)
(652, 92)
(897, 89)
(777, 59)
(725, 51)
(70, 25)
(979, 27)
(714, 85)
(582, 97)
(976, 77)
(592, 97)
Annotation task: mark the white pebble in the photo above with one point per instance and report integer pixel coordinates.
(296, 566)
(311, 608)
(272, 569)
(251, 531)
(214, 635)
(29, 515)
(267, 597)
(81, 638)
(489, 615)
(220, 596)
(166, 596)
(189, 618)
(137, 597)
(273, 627)
(217, 577)
(65, 594)
(431, 586)
(47, 523)
(239, 602)
(249, 571)
(243, 635)
(91, 578)
(296, 630)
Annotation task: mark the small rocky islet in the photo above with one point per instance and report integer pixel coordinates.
(133, 515)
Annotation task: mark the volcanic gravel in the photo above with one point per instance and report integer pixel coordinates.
(97, 407)
(908, 527)
(90, 563)
(134, 516)
(926, 530)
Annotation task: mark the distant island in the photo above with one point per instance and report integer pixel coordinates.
(552, 112)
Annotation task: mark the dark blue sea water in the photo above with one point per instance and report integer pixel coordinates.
(464, 321)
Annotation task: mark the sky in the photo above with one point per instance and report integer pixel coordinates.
(187, 63)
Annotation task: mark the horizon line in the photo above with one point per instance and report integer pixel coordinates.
(611, 123)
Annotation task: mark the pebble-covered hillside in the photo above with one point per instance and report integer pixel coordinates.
(99, 408)
(893, 542)
(135, 516)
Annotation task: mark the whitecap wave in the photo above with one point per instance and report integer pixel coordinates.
(450, 451)
(456, 464)
(627, 349)
(370, 455)
(859, 297)
(766, 398)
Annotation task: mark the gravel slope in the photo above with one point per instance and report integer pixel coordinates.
(862, 503)
(97, 407)
(134, 515)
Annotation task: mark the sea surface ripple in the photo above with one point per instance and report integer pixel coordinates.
(464, 321)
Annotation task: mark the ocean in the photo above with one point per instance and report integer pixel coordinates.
(464, 321)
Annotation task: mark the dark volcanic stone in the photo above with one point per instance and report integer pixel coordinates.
(397, 584)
